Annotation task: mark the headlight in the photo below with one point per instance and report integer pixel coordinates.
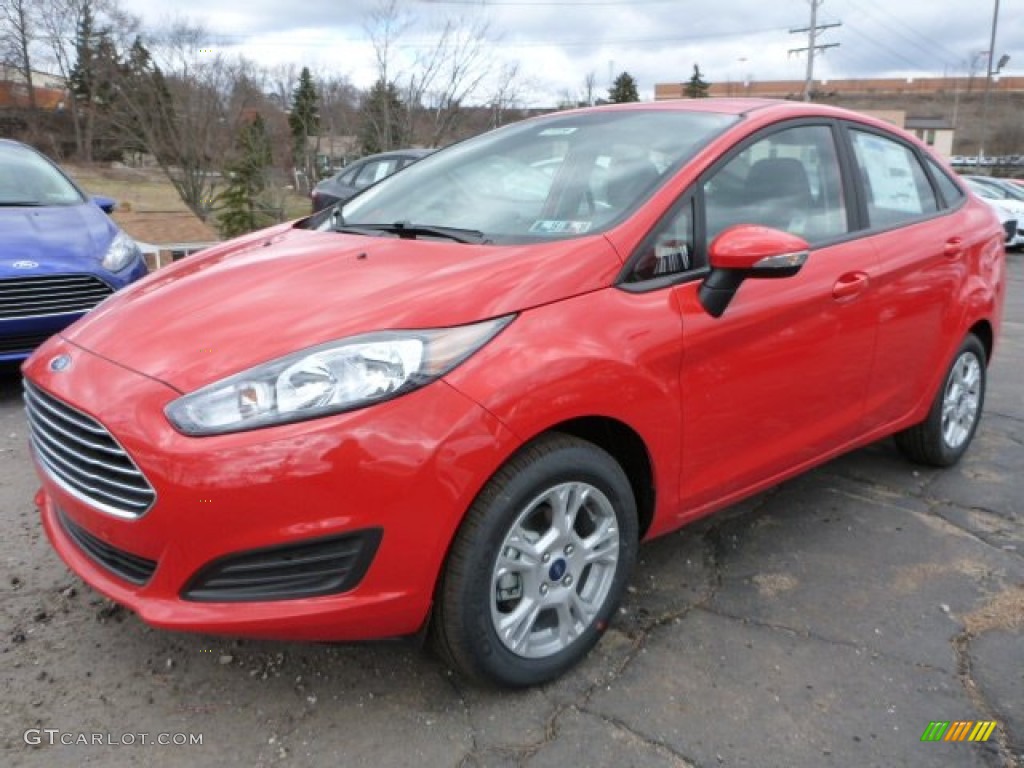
(121, 252)
(334, 377)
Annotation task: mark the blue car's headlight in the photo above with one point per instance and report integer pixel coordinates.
(122, 252)
(337, 376)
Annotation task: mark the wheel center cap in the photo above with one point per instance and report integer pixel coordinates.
(557, 570)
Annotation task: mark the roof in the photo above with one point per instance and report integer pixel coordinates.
(930, 123)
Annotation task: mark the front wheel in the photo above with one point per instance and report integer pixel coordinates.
(539, 565)
(943, 437)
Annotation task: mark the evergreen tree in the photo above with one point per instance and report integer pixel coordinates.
(151, 102)
(697, 87)
(240, 203)
(82, 77)
(623, 89)
(304, 118)
(382, 119)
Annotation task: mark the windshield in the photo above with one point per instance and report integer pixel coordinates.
(556, 177)
(28, 178)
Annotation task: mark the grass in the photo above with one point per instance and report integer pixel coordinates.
(148, 190)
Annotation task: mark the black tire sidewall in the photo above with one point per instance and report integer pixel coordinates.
(949, 454)
(575, 462)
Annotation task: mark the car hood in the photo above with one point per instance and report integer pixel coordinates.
(56, 238)
(252, 300)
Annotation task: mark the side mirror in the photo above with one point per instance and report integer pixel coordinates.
(746, 251)
(106, 204)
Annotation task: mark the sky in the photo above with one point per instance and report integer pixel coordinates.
(557, 43)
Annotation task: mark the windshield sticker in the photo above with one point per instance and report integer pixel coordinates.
(550, 227)
(558, 131)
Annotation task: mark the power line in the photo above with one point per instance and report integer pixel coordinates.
(229, 39)
(494, 3)
(926, 42)
(890, 51)
(887, 23)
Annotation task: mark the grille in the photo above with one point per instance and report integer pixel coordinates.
(83, 458)
(317, 567)
(129, 567)
(50, 295)
(24, 342)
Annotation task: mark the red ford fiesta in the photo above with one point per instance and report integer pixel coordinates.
(463, 397)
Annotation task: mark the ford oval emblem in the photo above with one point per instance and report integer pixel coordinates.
(60, 363)
(25, 264)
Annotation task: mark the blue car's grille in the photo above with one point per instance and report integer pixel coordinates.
(23, 342)
(50, 295)
(83, 458)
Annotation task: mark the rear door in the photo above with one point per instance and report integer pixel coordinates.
(919, 230)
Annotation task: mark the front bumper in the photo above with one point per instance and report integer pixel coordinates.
(403, 471)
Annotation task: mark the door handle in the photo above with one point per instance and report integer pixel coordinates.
(849, 285)
(953, 247)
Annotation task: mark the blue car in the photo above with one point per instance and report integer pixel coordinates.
(60, 253)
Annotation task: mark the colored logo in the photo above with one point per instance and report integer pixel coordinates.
(60, 363)
(25, 264)
(958, 730)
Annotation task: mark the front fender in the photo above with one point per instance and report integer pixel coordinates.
(609, 353)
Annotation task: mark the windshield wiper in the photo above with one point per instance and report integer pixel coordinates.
(408, 231)
(20, 204)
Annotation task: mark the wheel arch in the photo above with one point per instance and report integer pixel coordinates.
(627, 447)
(983, 330)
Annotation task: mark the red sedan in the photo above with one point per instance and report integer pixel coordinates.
(458, 401)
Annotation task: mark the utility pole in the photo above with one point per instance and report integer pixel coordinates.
(812, 45)
(989, 71)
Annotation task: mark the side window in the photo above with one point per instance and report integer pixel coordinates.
(669, 248)
(373, 172)
(789, 180)
(950, 192)
(895, 184)
(347, 177)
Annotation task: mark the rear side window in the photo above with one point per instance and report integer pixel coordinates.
(950, 192)
(895, 184)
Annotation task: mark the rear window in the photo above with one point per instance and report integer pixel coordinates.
(951, 193)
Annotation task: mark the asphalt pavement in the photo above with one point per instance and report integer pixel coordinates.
(827, 622)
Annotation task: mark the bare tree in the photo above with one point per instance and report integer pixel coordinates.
(18, 32)
(505, 93)
(439, 81)
(589, 83)
(184, 107)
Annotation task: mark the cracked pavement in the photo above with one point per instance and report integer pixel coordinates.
(823, 623)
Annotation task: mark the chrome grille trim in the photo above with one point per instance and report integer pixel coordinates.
(83, 458)
(22, 297)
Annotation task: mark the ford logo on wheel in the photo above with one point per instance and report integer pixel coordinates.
(60, 363)
(25, 264)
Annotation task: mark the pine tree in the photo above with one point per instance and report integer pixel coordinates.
(381, 119)
(241, 209)
(81, 79)
(697, 87)
(304, 118)
(623, 89)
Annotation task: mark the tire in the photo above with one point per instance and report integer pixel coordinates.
(522, 599)
(944, 436)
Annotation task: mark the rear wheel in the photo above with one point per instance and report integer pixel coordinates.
(942, 438)
(539, 565)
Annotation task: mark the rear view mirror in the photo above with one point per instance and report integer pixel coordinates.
(106, 204)
(748, 251)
